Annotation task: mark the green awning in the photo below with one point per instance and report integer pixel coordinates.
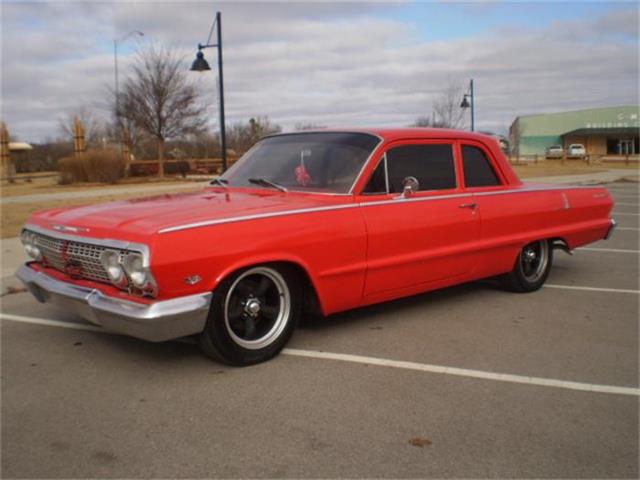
(613, 131)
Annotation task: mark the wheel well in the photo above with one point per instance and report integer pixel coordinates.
(561, 244)
(310, 301)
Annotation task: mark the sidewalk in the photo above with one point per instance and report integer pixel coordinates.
(101, 192)
(12, 255)
(589, 178)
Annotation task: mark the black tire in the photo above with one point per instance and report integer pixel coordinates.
(239, 331)
(531, 268)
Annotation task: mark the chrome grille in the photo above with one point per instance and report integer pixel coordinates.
(59, 253)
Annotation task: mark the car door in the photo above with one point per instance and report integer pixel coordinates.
(423, 238)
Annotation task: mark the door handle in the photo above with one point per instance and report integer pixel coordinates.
(472, 206)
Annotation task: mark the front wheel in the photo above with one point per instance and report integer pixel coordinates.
(253, 314)
(531, 269)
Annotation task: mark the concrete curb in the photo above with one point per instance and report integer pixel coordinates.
(590, 178)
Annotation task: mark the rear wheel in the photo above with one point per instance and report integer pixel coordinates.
(253, 315)
(531, 268)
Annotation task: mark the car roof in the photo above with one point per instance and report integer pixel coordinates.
(390, 134)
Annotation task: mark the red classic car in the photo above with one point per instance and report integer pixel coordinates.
(308, 223)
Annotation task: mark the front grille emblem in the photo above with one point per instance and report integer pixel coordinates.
(73, 268)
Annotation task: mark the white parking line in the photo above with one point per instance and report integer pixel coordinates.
(383, 362)
(464, 372)
(52, 323)
(611, 250)
(591, 289)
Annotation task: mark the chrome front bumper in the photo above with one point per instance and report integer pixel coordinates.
(155, 322)
(612, 227)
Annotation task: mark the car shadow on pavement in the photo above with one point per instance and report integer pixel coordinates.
(395, 309)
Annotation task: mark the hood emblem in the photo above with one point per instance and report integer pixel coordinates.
(65, 228)
(192, 280)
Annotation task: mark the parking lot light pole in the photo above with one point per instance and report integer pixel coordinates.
(201, 65)
(468, 101)
(115, 65)
(117, 41)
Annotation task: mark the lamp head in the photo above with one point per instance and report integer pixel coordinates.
(200, 64)
(465, 102)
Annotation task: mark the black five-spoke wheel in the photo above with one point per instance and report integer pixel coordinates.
(531, 268)
(257, 307)
(253, 315)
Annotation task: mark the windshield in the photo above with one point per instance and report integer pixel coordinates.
(320, 161)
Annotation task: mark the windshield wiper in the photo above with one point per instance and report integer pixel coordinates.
(220, 181)
(268, 183)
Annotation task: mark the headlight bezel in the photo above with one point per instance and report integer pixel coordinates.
(29, 241)
(111, 262)
(133, 265)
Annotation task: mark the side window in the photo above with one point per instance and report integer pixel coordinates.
(432, 165)
(478, 171)
(377, 183)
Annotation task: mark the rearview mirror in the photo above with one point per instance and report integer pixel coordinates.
(410, 185)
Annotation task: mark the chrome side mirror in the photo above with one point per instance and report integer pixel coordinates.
(410, 185)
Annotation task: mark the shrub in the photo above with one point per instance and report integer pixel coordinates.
(71, 170)
(102, 166)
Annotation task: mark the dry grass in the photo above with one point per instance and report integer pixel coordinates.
(50, 185)
(545, 168)
(14, 216)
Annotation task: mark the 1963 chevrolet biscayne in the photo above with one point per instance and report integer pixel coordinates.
(312, 222)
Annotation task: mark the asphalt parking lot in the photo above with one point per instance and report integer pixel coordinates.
(537, 385)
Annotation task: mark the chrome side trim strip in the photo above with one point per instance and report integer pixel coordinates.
(400, 199)
(396, 200)
(536, 189)
(104, 242)
(206, 223)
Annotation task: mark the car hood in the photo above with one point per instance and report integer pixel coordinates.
(137, 219)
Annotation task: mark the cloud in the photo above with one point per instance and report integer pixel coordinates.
(327, 63)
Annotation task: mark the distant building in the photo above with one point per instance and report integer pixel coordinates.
(603, 131)
(20, 153)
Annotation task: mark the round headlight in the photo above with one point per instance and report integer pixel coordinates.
(25, 236)
(110, 260)
(134, 266)
(30, 243)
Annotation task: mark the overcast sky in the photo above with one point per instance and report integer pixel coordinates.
(334, 64)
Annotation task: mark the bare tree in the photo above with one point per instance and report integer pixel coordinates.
(158, 99)
(93, 128)
(423, 121)
(446, 107)
(242, 136)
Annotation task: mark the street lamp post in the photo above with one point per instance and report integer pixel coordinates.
(117, 41)
(468, 101)
(201, 65)
(115, 64)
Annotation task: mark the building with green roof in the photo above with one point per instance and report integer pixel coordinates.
(603, 131)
